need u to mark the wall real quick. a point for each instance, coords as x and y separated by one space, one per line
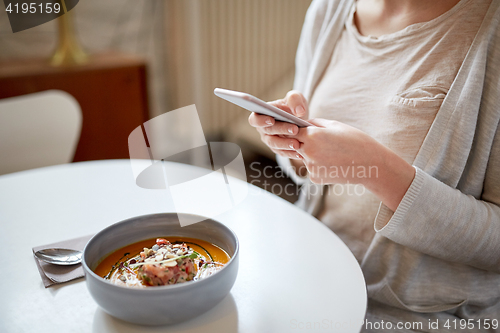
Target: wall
235 44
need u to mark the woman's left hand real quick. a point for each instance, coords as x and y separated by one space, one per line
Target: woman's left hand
335 152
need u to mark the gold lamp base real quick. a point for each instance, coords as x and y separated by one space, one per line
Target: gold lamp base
69 51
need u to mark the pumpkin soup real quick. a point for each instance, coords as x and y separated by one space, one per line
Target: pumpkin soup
163 261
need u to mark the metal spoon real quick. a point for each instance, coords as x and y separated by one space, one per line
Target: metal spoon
60 256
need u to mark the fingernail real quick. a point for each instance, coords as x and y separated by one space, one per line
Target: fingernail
291 146
290 130
299 110
269 122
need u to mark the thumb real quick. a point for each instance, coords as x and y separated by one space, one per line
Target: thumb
297 103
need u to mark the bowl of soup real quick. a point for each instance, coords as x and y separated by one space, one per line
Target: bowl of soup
149 270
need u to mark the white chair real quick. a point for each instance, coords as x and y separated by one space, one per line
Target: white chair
38 130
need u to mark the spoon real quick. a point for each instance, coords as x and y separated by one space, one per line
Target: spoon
59 256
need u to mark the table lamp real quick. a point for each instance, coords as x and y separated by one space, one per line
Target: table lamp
69 51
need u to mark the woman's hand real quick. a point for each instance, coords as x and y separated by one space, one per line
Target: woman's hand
335 152
276 134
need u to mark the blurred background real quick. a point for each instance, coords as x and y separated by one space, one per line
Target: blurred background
147 57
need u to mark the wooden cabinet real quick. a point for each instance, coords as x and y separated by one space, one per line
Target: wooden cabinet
111 90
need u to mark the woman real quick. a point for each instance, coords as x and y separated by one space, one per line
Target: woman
404 164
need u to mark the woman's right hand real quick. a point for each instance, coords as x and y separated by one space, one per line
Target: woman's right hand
275 133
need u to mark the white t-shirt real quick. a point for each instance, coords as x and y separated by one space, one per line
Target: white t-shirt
390 87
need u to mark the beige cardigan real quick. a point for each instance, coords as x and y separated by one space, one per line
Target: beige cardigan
440 251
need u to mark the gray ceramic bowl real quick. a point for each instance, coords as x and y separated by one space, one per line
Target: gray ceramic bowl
159 305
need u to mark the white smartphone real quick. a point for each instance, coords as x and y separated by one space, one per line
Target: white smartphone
256 105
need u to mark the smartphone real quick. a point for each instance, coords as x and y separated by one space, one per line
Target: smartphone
256 105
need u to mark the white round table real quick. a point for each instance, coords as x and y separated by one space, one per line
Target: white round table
317 286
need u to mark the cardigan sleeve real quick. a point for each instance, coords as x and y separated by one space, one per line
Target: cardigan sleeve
441 221
460 223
